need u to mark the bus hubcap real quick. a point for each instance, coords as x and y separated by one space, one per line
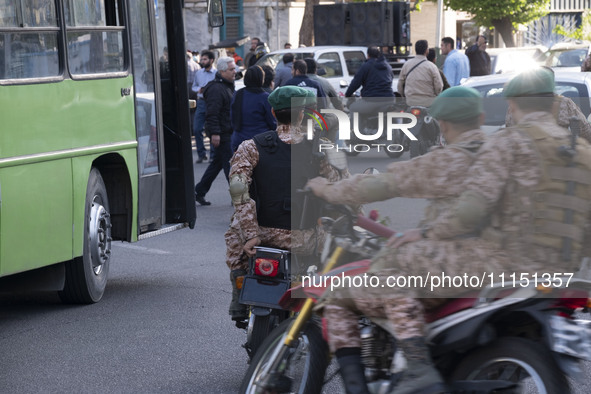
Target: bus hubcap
99 237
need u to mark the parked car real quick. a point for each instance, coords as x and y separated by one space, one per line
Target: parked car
575 85
338 64
568 55
507 60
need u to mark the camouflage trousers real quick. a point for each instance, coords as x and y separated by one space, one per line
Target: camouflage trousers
403 306
304 241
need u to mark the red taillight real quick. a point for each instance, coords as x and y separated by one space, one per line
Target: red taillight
266 267
415 111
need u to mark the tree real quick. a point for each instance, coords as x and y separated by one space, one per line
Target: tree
307 28
503 15
583 32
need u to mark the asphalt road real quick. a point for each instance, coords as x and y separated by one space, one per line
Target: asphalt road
162 326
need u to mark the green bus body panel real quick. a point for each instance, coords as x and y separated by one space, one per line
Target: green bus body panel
50 134
36 229
65 115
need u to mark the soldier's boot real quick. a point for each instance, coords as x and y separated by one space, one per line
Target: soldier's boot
238 311
352 370
420 375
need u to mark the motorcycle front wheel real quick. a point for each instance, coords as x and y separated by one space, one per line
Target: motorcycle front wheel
517 360
304 364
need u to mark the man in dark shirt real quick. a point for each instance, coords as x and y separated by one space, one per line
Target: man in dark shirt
375 79
300 79
479 59
218 98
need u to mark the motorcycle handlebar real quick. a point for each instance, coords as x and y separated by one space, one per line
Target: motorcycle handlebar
374 227
360 220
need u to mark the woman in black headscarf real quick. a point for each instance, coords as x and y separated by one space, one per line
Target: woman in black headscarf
251 111
269 77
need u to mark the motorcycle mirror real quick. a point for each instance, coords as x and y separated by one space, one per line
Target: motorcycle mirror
337 159
371 171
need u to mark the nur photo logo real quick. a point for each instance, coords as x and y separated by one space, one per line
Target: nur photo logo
389 126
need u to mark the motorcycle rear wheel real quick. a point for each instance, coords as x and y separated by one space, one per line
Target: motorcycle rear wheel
306 363
517 360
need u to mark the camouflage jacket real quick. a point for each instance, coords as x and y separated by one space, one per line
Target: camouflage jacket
507 166
436 175
564 108
244 161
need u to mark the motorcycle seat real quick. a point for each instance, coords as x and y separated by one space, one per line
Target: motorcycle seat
450 306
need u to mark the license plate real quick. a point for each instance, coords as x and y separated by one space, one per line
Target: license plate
262 292
572 337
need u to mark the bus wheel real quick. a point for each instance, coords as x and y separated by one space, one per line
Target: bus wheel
86 276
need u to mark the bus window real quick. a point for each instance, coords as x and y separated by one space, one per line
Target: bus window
26 53
92 51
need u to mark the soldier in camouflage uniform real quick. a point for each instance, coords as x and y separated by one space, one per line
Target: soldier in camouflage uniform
563 110
437 176
257 162
513 197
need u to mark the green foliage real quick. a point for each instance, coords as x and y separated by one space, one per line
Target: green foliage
583 32
487 12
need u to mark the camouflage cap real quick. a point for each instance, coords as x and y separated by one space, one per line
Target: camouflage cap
539 81
291 96
457 104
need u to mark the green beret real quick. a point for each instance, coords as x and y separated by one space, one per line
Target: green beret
530 83
291 96
457 104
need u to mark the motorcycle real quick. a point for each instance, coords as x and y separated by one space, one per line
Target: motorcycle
494 341
426 131
268 278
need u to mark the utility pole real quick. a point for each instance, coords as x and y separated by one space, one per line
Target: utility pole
439 22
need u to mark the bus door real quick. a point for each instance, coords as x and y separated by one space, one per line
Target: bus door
165 163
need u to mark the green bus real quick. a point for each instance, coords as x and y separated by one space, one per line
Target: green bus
95 142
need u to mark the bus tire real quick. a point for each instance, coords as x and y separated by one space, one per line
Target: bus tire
86 276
